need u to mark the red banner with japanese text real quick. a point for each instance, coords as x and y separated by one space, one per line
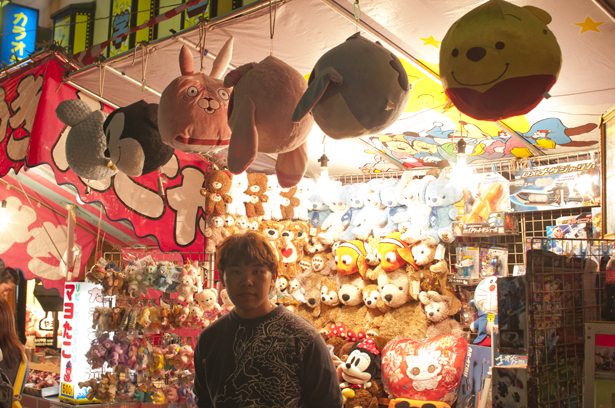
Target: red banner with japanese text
175 218
36 242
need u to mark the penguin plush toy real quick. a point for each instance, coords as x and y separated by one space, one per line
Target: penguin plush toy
133 141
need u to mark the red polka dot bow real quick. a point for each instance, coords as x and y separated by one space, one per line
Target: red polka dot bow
354 337
337 330
370 346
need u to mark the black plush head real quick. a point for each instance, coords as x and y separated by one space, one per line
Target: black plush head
133 142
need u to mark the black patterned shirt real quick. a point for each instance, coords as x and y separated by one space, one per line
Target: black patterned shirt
278 360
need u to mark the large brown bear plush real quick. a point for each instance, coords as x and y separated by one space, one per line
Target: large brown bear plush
217 185
257 187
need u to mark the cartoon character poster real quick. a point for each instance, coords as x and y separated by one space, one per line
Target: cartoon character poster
121 18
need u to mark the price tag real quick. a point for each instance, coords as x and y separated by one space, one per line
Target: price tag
440 252
491 317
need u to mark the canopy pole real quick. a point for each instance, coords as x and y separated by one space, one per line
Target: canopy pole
70 251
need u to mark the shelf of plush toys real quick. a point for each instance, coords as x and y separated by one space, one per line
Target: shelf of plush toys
145 333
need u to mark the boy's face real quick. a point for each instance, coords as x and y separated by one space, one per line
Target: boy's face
248 287
6 287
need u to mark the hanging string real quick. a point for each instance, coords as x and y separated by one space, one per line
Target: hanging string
101 76
202 38
144 56
98 233
273 12
356 10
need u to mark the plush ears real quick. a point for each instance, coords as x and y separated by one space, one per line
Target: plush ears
499 59
192 115
133 141
343 102
260 117
86 142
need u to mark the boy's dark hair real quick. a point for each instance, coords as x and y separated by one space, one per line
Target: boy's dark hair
9 275
250 247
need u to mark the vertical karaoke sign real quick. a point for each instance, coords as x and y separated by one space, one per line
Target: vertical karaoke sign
80 299
19 25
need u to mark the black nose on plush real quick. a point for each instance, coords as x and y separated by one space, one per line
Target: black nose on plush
323 298
388 298
312 301
476 54
271 232
430 314
346 297
369 302
348 365
434 199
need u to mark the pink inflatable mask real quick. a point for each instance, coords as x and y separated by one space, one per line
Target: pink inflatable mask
192 115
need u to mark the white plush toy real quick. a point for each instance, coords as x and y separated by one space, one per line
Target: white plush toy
240 184
416 217
272 207
373 214
333 225
305 189
208 301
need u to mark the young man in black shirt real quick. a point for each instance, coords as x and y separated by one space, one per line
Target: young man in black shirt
260 355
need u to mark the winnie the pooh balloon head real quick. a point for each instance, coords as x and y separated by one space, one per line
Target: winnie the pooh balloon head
498 60
192 115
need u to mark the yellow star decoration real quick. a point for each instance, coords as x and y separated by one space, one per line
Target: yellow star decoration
431 41
589 25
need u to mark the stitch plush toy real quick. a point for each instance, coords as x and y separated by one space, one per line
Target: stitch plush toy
273 209
192 115
237 192
215 233
289 203
86 141
262 105
257 186
440 195
217 185
437 311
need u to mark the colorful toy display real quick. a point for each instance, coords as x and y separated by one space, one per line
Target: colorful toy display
499 60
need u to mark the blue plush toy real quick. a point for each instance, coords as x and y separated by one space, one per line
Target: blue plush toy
353 195
318 210
440 194
388 197
164 278
486 303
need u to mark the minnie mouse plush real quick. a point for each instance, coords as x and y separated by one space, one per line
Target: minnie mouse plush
363 364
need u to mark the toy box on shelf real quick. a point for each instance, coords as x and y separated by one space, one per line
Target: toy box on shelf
556 186
497 223
478 262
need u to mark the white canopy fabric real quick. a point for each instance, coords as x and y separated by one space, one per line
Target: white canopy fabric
306 29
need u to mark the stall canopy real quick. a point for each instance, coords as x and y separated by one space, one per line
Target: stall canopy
166 208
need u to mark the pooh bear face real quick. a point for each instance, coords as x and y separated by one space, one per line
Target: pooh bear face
497 60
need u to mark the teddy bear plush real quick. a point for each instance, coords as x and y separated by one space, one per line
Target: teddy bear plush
229 224
217 185
329 302
440 194
257 186
351 313
241 224
437 309
187 289
215 233
373 214
353 195
289 202
375 309
415 218
260 116
304 192
208 301
311 284
273 209
239 184
388 198
393 287
227 305
333 225
318 210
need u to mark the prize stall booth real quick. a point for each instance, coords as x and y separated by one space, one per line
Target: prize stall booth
464 239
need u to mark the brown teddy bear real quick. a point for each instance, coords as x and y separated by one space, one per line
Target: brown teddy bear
217 185
215 233
311 286
363 398
229 224
375 309
437 310
257 187
352 311
329 301
289 202
431 274
293 240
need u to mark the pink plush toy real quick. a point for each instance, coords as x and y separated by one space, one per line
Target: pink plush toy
260 117
192 115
